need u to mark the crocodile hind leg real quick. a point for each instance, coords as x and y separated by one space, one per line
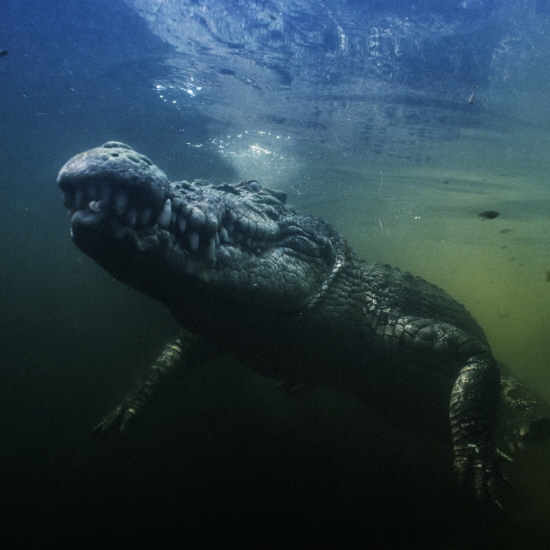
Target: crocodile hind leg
525 415
474 399
472 412
174 356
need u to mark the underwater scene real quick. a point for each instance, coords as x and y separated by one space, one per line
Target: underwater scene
419 130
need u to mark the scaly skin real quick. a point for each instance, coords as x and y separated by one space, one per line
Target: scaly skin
285 293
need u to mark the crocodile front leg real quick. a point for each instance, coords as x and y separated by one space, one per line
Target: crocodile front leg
472 411
174 355
474 398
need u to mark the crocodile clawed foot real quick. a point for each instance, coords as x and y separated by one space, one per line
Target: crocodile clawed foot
504 456
483 465
527 432
119 417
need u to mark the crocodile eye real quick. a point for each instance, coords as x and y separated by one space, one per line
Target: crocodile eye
227 188
253 186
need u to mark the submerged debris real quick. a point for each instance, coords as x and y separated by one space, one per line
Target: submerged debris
472 97
3 53
504 231
489 214
547 276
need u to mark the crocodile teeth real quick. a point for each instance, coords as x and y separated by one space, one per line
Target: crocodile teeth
194 242
166 215
95 206
145 216
132 217
211 251
105 194
91 192
224 236
121 201
182 222
197 218
197 229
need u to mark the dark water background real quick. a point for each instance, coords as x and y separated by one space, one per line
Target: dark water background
360 111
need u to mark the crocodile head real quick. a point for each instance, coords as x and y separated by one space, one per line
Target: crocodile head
195 244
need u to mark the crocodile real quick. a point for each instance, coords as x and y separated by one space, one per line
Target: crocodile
244 273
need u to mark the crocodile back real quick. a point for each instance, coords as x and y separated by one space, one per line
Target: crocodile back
412 295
